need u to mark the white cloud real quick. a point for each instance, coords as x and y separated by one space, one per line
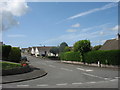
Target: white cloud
96 34
116 28
71 30
16 36
107 6
76 25
101 33
10 9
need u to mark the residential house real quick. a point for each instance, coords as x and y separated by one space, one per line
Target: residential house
113 44
41 51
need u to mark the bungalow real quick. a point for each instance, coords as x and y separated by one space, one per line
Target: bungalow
24 50
41 51
112 44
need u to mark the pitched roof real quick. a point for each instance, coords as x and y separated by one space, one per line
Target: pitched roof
112 44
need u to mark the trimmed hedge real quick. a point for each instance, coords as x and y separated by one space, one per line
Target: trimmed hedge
15 55
5 51
71 56
110 57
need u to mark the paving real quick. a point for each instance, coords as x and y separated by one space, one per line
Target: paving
61 75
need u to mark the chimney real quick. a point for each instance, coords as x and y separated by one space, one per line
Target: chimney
118 36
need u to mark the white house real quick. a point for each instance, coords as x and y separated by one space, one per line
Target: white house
32 51
36 52
39 51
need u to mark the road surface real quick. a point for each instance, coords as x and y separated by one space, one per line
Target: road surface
61 75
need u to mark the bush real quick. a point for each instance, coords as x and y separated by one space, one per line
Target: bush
15 55
109 57
71 56
5 51
97 47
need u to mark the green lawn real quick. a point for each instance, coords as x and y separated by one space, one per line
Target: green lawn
8 65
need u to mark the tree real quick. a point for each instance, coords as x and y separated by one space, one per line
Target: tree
66 49
62 46
97 47
54 50
82 46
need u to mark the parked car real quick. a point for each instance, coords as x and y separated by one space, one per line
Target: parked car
24 58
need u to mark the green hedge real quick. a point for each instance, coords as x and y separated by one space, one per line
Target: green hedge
110 57
15 55
71 56
5 51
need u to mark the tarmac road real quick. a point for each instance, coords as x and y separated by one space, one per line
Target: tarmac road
61 75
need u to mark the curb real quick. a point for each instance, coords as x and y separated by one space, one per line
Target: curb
92 65
24 77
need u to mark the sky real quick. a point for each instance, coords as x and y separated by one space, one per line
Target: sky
27 24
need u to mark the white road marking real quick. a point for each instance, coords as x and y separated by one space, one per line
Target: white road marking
106 78
117 77
43 85
22 85
88 70
66 69
61 84
93 75
81 69
91 82
51 66
77 83
114 80
84 69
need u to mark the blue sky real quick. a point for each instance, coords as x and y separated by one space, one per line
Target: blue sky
51 23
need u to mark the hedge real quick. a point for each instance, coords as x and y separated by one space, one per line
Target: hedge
71 56
15 55
5 51
110 57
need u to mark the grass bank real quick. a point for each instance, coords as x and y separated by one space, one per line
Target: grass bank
9 65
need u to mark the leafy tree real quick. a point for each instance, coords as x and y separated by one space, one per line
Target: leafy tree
54 50
97 47
62 46
66 49
82 46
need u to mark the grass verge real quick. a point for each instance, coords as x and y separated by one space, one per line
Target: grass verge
9 65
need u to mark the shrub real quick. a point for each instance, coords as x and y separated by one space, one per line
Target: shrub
71 56
97 47
109 57
5 51
66 49
15 55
